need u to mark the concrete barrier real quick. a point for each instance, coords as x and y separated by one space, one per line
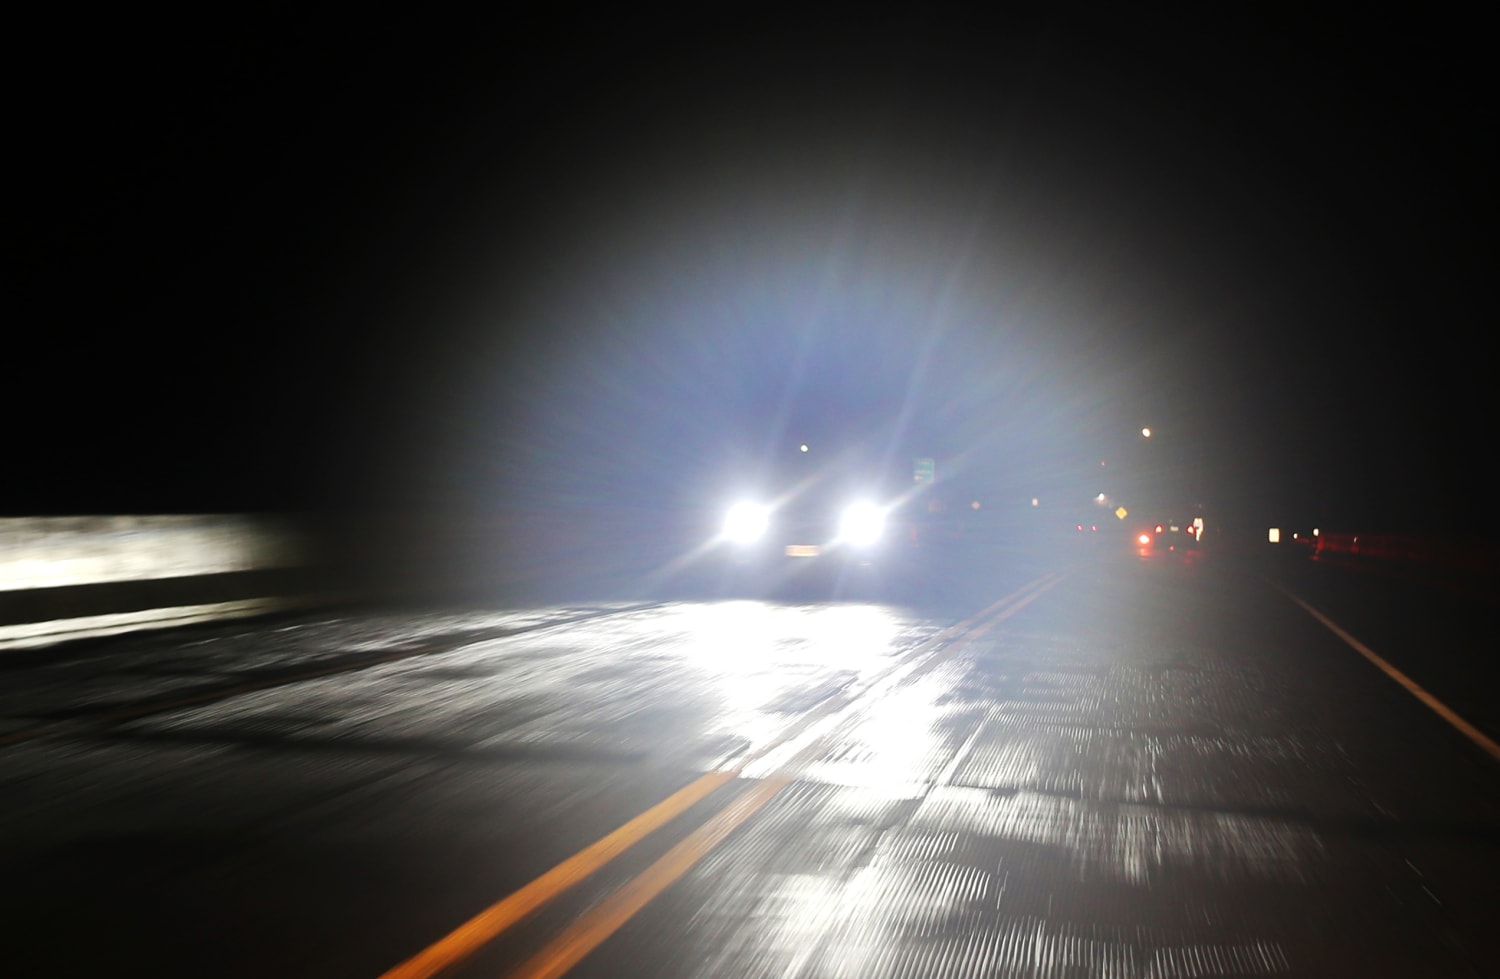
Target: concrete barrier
67 577
62 577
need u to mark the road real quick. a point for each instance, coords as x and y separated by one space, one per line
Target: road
1105 767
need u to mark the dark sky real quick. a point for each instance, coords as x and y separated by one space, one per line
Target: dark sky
307 261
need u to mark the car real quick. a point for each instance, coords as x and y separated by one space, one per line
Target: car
811 521
1174 535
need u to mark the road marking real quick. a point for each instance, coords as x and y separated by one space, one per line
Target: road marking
589 931
492 921
1042 585
1438 707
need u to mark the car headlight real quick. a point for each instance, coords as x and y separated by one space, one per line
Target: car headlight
746 523
862 524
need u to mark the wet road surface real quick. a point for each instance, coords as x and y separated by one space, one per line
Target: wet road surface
1111 769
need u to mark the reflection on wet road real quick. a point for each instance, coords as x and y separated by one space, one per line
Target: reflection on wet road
1116 771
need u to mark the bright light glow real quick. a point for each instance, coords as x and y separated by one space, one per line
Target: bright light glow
1145 433
974 505
1144 539
1100 498
1315 531
891 746
756 656
862 524
746 523
50 552
802 447
1274 535
1035 501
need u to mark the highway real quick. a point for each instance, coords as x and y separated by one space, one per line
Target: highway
1093 766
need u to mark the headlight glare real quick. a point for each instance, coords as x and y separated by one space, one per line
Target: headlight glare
862 524
746 523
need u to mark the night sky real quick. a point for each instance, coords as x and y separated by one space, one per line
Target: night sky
295 262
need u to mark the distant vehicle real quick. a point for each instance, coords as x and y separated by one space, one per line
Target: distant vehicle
1177 533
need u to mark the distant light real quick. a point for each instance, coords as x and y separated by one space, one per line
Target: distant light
1100 498
1158 528
1274 535
1094 527
1315 531
1121 513
1037 502
1144 539
1294 535
803 447
1145 433
974 505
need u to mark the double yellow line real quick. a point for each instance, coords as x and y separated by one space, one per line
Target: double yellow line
804 740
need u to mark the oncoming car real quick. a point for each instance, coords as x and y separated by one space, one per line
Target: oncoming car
855 532
817 523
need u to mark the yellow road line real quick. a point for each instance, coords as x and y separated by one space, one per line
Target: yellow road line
1438 707
988 624
589 931
496 919
492 921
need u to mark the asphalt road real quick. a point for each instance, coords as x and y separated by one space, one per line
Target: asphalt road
1108 767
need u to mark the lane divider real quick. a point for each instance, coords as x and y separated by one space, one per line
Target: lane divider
590 931
1487 744
802 740
497 918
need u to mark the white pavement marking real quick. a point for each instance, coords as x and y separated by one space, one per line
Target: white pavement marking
1438 707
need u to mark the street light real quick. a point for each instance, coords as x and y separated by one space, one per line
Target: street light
1145 433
